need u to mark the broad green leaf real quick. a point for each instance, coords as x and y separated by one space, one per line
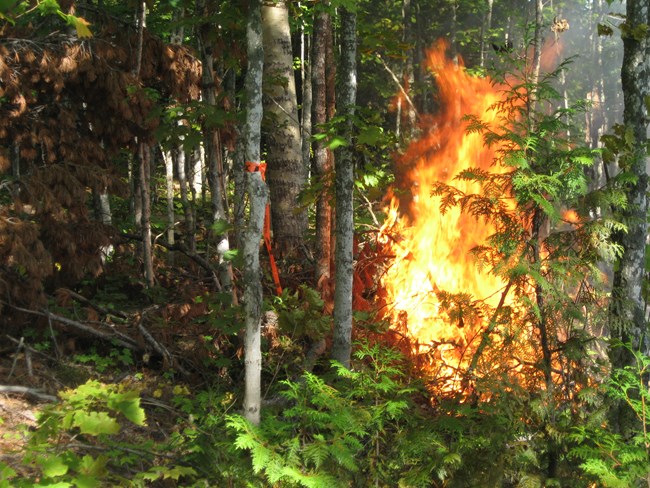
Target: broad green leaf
85 481
93 466
221 226
178 471
370 135
96 423
6 472
47 7
128 403
53 466
81 25
337 142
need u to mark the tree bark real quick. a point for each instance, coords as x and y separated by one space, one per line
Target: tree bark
169 193
181 170
342 339
321 161
306 126
145 182
627 313
257 194
286 173
214 155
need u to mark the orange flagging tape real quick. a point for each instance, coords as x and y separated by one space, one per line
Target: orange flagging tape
252 167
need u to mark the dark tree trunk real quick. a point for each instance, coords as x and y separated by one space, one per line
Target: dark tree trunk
627 313
342 339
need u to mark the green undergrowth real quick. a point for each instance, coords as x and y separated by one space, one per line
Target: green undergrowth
374 425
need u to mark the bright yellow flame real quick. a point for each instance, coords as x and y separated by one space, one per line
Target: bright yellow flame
433 251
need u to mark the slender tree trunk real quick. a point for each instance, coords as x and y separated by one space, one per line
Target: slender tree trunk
214 161
342 339
321 161
181 171
239 196
144 159
145 169
486 29
537 44
15 160
257 194
306 103
169 193
286 173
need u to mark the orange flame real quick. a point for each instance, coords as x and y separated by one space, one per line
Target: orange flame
433 252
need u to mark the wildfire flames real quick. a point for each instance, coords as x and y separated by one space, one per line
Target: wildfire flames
432 251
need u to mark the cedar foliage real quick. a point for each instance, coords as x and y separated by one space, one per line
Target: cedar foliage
70 109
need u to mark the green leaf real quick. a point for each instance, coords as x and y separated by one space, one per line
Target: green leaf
85 481
128 403
336 142
370 135
177 471
93 466
81 25
95 423
53 466
48 7
6 472
221 226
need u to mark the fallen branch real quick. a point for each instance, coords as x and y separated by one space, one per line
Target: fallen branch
115 337
98 308
28 392
168 360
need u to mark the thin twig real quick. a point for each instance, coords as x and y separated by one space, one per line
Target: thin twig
401 88
21 345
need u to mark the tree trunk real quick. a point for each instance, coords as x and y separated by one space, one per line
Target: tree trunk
322 168
214 159
181 167
627 311
486 29
286 173
257 194
169 193
342 339
145 182
306 126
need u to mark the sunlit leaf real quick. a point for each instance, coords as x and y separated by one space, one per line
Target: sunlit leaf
96 423
53 466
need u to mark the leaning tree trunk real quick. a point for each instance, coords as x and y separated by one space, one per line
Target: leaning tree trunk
342 339
287 175
257 194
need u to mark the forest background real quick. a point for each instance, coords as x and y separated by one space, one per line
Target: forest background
163 326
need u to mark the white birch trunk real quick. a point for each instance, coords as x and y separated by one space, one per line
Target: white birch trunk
257 194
